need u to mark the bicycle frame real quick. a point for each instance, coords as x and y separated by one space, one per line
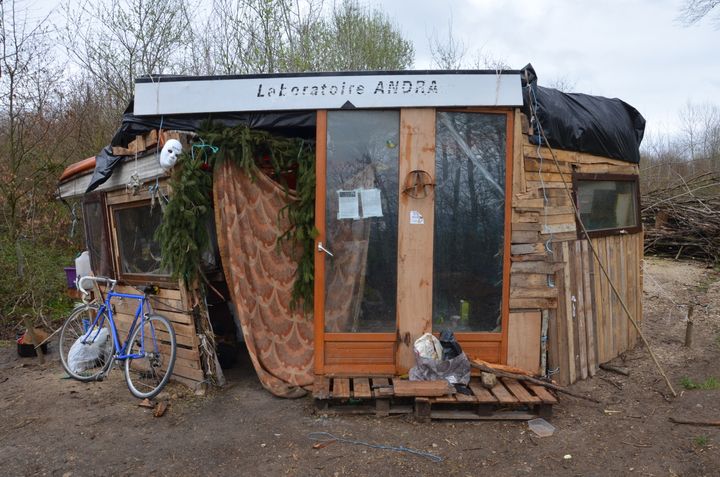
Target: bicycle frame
106 310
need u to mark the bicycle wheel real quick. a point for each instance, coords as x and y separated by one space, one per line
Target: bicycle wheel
86 354
154 343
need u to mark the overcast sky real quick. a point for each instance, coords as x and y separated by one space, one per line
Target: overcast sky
630 49
634 50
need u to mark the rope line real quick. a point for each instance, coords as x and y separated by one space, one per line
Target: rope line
328 438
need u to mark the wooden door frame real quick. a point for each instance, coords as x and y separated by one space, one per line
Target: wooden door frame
479 338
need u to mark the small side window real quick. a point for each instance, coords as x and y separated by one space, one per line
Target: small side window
139 252
96 234
608 203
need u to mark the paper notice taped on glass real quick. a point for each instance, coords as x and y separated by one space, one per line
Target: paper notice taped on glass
348 207
371 203
416 218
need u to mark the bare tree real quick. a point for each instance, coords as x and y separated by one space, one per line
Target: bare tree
452 54
270 36
29 83
562 83
33 148
115 41
693 11
448 54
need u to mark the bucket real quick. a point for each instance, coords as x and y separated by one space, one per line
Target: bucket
71 275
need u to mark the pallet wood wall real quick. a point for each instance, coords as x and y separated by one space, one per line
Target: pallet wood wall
552 270
169 303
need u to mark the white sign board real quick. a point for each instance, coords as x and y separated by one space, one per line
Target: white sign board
185 95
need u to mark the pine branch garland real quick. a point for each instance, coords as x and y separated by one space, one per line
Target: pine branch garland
183 234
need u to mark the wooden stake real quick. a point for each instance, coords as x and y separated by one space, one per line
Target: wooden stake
689 327
694 423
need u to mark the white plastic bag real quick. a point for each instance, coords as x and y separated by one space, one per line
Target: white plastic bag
97 346
428 347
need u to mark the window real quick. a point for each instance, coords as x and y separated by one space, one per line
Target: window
96 234
361 221
469 236
608 203
139 252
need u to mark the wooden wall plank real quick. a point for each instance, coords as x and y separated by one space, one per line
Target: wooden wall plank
524 340
553 342
414 281
598 300
518 173
589 309
580 308
563 365
569 314
622 286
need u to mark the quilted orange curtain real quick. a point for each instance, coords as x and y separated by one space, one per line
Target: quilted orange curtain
260 277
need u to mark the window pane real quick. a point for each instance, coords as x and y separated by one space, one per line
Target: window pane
139 252
96 238
361 221
469 221
607 204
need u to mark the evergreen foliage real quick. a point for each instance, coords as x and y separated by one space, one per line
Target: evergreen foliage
183 234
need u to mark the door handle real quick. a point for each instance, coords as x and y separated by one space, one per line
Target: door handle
323 249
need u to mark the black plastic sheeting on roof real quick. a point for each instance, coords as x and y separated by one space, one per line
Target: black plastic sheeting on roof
583 123
295 123
571 121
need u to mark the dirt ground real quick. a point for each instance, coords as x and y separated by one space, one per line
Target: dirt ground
55 426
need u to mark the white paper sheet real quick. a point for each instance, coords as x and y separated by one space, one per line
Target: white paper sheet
371 203
348 207
416 218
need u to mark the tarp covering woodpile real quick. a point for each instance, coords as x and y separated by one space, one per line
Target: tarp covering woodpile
260 276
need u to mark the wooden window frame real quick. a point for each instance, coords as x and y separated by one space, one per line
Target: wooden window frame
133 278
634 179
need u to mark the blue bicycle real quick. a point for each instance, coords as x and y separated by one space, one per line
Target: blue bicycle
89 341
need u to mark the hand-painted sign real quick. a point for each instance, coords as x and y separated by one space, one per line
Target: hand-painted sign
182 95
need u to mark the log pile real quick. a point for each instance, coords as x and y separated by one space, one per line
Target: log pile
683 219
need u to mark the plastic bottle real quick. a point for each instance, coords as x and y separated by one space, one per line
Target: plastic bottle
82 264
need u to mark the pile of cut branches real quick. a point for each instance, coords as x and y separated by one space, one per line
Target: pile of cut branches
683 219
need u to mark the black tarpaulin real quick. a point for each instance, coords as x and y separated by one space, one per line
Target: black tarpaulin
294 123
584 123
105 162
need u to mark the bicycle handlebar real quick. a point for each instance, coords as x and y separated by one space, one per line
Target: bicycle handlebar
108 281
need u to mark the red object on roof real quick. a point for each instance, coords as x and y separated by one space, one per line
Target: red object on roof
77 168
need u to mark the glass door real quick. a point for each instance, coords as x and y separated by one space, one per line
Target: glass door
359 241
413 235
471 237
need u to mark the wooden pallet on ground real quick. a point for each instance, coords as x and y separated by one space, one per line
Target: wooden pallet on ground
508 400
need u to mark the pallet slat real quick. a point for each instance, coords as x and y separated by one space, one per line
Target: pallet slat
519 391
502 394
341 388
361 388
482 395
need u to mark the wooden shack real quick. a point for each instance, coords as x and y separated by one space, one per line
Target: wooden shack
435 208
